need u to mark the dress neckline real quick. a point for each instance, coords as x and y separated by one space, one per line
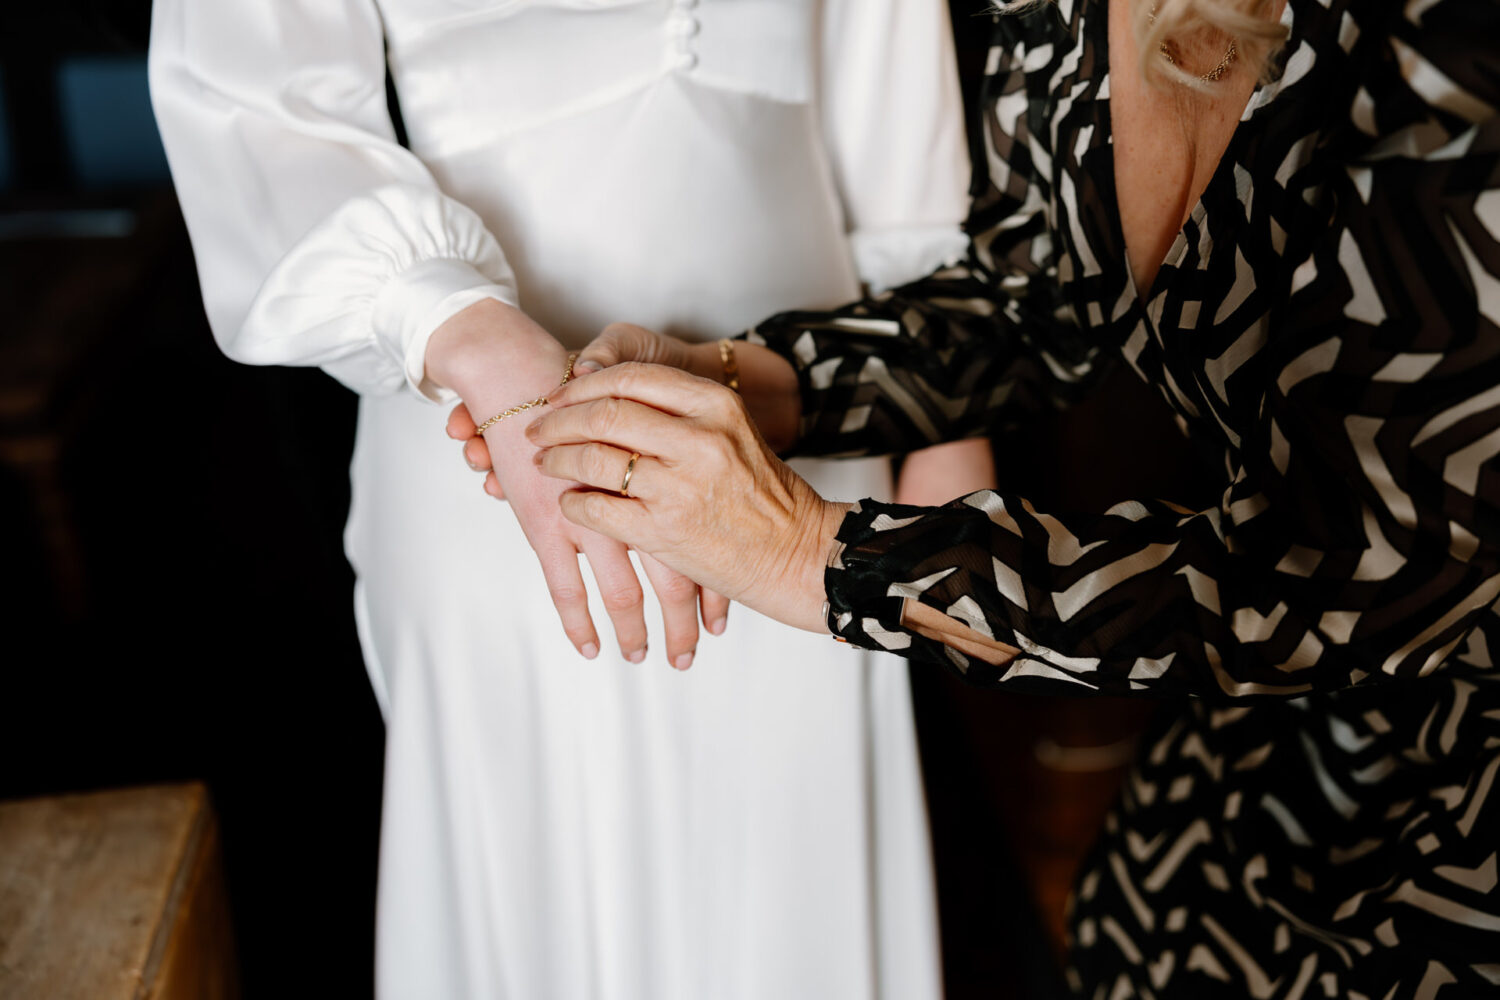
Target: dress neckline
1264 94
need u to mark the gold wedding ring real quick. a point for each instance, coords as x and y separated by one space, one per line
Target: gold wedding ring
629 471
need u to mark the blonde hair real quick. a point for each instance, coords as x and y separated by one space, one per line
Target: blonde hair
1158 22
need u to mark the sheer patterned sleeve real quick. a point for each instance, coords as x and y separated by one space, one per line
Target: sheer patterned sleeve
947 355
319 239
1359 536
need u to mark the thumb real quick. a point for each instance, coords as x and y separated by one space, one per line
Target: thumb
618 342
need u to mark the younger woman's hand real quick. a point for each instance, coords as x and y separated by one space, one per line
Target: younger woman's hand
713 608
618 342
493 356
462 428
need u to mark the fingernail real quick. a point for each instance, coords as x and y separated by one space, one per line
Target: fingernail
473 466
717 628
589 650
684 660
532 431
637 656
587 367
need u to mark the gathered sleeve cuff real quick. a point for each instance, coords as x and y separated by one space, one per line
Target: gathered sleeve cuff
391 267
319 239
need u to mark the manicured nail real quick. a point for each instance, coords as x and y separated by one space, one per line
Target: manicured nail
637 656
587 367
717 627
684 660
532 430
589 651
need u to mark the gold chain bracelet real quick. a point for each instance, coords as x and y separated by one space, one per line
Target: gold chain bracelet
731 367
530 403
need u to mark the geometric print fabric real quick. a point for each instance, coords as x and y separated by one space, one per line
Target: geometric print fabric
1321 817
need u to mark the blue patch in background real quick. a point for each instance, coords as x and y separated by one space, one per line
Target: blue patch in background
107 123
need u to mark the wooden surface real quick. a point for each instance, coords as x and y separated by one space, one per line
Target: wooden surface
111 895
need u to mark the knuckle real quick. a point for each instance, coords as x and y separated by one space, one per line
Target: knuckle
677 589
726 404
587 508
631 374
596 463
622 597
566 594
602 416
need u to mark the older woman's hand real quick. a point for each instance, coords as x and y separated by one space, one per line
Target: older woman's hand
766 383
674 467
491 354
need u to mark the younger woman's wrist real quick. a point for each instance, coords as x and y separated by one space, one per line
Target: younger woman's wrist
488 349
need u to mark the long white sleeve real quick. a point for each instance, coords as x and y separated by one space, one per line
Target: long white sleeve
893 120
319 240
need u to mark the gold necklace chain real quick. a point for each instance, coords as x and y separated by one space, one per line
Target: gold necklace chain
1212 75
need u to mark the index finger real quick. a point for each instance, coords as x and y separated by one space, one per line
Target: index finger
671 390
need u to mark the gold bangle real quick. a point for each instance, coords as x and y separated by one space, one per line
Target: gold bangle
731 368
529 404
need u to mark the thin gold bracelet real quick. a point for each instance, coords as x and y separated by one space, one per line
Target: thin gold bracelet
731 367
529 404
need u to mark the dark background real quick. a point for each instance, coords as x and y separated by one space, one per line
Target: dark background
174 601
173 594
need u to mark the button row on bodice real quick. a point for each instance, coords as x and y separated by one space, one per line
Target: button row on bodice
682 26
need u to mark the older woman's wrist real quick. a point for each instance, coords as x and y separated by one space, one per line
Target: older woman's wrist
817 548
772 394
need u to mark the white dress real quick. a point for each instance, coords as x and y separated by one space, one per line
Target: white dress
555 827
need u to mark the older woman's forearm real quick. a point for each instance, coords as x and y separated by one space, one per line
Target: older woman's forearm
935 625
766 381
768 384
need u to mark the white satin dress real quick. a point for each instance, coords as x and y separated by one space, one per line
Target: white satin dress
555 827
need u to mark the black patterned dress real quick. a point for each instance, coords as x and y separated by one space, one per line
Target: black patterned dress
1323 820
